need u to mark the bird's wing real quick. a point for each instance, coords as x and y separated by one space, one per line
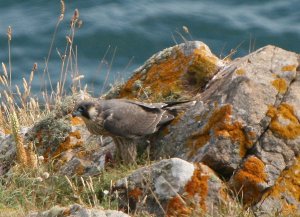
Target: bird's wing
131 120
146 105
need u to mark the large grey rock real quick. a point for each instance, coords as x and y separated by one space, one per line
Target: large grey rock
231 115
170 187
246 122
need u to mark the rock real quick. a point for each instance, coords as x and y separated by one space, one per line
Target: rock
8 151
284 196
67 141
173 73
7 154
87 162
172 187
231 113
250 180
246 122
76 210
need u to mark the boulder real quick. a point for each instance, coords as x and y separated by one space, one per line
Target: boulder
176 72
172 187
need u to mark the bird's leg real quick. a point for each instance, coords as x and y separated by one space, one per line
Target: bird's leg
125 150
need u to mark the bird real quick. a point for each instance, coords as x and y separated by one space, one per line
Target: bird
125 121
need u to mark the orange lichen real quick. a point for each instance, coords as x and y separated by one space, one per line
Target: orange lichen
202 68
248 179
83 154
290 128
162 78
68 144
240 71
170 76
288 184
178 207
280 85
289 68
67 212
220 125
7 131
198 185
80 169
194 197
76 121
165 131
135 193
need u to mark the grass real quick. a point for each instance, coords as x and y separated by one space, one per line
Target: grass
24 190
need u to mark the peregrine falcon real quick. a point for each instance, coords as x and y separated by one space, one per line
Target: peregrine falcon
125 121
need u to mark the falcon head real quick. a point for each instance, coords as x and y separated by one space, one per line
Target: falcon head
85 109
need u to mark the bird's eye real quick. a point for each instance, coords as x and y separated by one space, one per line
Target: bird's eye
80 109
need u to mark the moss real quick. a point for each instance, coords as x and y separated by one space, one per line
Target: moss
287 185
49 133
289 68
220 125
193 198
289 130
248 180
280 85
240 71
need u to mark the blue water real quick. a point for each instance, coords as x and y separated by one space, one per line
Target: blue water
130 31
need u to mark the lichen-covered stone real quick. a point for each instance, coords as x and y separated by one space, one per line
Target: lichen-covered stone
284 196
231 113
250 181
249 110
173 73
66 140
181 188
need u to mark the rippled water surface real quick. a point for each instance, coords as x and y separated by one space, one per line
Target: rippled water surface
130 31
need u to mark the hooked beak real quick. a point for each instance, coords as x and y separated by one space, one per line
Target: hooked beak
76 114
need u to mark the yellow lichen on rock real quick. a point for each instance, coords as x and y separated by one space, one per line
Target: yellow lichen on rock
161 79
284 122
248 180
280 85
71 142
76 121
287 185
240 71
193 198
175 72
135 193
202 68
289 68
222 126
